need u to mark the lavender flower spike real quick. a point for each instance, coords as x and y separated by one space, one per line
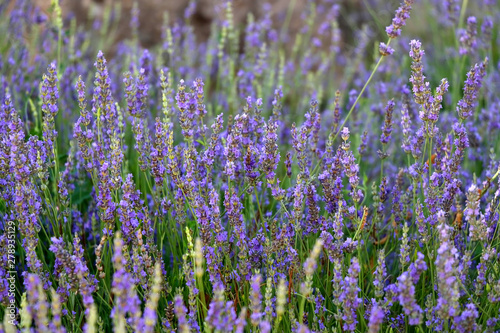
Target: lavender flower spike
376 318
447 278
420 87
399 20
350 298
387 128
50 94
467 105
406 297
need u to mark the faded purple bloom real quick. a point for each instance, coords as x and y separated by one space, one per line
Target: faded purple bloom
380 275
447 278
406 297
468 40
377 316
180 312
387 128
221 315
417 267
123 287
187 111
256 300
364 143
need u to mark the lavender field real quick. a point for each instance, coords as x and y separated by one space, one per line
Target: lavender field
340 178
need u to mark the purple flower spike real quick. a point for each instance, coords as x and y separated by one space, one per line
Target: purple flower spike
399 20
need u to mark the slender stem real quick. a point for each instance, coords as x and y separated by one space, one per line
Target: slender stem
260 210
456 91
462 13
425 149
289 14
301 308
354 105
382 163
430 158
202 297
361 92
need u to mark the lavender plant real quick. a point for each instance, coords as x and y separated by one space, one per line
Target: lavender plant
255 181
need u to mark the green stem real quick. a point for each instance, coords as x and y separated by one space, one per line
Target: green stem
361 92
462 13
430 158
301 309
354 104
260 210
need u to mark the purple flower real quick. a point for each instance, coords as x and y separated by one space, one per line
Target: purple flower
377 316
336 112
103 105
50 95
142 143
38 305
72 270
466 106
399 20
278 95
404 251
447 278
431 108
349 297
233 209
489 254
180 312
421 91
127 209
251 167
210 152
134 21
187 111
363 144
270 153
351 167
123 289
220 315
256 300
313 217
468 37
136 92
150 311
159 151
466 322
385 49
417 267
486 30
478 229
406 297
387 128
344 134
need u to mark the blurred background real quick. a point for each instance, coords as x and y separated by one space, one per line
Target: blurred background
90 13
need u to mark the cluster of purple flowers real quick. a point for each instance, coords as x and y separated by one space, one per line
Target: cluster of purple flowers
220 185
